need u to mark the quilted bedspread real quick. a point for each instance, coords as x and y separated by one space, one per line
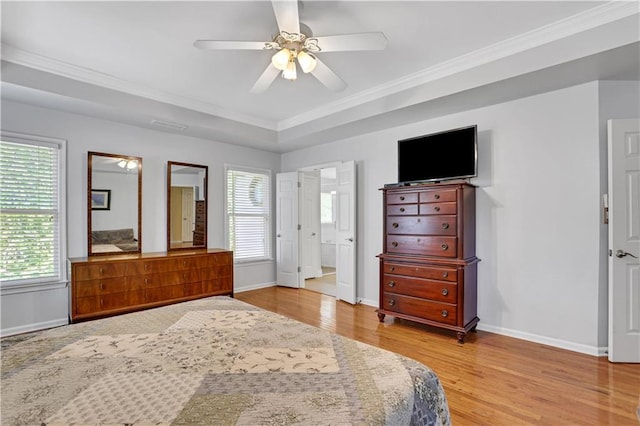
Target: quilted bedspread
210 361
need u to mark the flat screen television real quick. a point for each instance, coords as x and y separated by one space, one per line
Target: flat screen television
452 154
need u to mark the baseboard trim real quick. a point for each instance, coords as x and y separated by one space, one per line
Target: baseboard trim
550 341
369 302
33 327
253 287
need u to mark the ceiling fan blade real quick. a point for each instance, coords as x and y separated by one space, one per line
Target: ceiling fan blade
360 41
287 15
265 79
229 45
327 77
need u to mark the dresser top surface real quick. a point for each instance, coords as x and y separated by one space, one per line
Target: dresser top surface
144 256
427 186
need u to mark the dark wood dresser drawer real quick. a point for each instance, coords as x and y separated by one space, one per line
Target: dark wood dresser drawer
429 246
438 208
404 198
442 291
438 195
422 271
399 209
422 225
435 311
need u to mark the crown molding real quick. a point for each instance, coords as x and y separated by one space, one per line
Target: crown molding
584 21
64 69
575 24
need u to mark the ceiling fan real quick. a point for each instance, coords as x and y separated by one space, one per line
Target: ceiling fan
295 42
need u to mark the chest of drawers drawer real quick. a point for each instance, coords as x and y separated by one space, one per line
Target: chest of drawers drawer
425 245
442 291
400 210
421 271
437 208
438 195
422 225
421 308
404 198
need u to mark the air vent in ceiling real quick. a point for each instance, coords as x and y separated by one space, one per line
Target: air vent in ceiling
168 124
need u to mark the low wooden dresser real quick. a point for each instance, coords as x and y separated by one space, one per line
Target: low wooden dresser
428 269
109 285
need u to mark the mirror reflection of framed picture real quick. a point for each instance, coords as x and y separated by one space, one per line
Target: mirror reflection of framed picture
100 199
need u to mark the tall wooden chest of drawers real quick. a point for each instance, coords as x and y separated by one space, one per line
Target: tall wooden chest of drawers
110 285
199 237
428 269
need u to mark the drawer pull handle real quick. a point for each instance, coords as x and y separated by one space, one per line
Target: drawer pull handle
395 244
392 302
401 209
101 286
437 208
437 196
444 313
444 246
402 198
445 274
444 292
395 224
392 283
101 270
445 226
393 268
146 280
101 302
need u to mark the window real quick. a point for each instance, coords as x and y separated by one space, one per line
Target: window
248 213
31 211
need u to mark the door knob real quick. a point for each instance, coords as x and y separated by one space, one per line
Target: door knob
349 239
622 253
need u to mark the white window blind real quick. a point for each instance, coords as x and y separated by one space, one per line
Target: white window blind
29 212
249 213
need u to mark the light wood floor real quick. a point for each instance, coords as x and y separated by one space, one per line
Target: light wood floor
326 284
490 379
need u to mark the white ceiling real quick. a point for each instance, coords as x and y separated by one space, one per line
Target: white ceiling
135 62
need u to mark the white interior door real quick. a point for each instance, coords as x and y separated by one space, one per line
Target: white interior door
287 272
346 232
188 214
310 225
624 240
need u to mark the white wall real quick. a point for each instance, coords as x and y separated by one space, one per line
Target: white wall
538 211
26 310
124 198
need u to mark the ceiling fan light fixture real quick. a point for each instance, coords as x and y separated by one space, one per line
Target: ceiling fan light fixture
128 164
307 62
290 71
281 59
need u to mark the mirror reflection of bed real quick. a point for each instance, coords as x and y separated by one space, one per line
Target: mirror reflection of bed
114 203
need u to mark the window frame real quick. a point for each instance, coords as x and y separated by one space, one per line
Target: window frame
31 284
269 226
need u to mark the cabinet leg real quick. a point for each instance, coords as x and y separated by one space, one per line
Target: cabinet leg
461 336
381 317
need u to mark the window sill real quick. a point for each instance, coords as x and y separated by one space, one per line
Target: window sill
6 289
252 262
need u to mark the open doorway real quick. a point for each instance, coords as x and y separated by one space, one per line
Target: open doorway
298 239
325 281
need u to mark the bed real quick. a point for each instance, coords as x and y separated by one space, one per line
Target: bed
210 361
113 240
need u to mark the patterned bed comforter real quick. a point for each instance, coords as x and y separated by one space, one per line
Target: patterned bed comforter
210 361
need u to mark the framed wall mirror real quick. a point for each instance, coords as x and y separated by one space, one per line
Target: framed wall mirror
114 204
186 205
